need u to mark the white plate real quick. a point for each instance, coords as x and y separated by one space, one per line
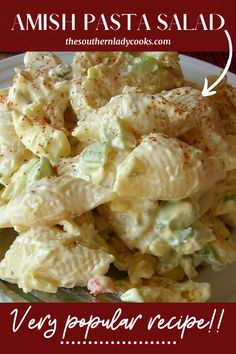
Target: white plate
224 282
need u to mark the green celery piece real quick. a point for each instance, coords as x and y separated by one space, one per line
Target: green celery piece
144 65
94 156
208 255
63 72
177 215
114 133
43 168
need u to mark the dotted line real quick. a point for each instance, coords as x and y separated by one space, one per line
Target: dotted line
123 342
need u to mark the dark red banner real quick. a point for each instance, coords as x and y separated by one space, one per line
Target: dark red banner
67 328
124 25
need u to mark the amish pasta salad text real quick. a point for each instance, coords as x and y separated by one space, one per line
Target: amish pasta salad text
115 164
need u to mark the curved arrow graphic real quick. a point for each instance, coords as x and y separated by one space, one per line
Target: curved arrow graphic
206 91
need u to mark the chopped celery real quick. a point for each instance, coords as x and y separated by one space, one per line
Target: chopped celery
178 237
42 168
177 215
208 254
144 65
32 170
94 156
61 71
173 222
115 133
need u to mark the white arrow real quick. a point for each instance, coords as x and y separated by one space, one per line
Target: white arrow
206 91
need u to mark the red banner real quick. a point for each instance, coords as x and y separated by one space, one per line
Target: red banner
105 328
124 25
